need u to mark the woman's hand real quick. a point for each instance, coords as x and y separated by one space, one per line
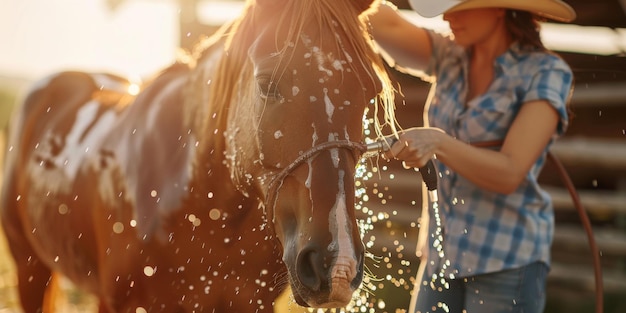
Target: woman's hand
416 146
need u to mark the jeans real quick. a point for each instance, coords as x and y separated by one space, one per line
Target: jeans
520 290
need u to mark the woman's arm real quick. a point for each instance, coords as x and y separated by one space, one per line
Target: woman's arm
407 44
498 171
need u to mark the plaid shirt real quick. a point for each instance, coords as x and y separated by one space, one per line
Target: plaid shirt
485 231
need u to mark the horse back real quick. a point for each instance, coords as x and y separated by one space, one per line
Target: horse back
80 152
42 155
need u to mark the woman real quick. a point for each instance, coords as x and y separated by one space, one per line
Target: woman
499 101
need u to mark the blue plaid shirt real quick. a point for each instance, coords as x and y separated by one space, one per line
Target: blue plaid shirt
485 231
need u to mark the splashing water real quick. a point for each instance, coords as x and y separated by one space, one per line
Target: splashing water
438 245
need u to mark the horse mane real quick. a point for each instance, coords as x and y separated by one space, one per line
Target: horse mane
348 16
292 15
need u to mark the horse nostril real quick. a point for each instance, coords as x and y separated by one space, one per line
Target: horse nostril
308 266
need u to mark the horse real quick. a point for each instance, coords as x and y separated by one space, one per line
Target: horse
228 176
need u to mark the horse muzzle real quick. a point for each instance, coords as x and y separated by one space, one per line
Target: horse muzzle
324 280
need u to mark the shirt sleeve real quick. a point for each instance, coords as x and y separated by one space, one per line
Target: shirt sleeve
553 83
443 48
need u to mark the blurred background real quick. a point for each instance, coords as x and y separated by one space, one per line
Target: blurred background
136 38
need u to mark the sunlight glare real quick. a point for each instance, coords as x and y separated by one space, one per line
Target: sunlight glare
134 89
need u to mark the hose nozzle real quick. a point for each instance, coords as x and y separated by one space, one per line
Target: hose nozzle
379 146
428 171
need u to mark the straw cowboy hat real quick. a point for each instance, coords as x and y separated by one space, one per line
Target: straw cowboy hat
553 9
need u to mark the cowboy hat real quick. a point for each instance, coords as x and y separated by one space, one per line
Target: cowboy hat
553 9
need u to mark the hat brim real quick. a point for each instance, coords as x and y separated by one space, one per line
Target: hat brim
552 9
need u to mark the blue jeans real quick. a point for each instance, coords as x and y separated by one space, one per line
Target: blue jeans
521 290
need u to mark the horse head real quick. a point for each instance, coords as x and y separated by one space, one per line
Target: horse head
293 129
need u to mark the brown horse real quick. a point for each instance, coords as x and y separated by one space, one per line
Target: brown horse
224 179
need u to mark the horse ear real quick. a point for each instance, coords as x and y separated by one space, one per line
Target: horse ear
362 5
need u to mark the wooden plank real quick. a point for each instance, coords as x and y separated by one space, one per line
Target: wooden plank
593 201
600 95
582 277
611 242
601 154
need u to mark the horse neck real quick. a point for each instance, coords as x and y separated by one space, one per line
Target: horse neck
209 95
220 77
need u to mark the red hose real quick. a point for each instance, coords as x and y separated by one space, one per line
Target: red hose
595 251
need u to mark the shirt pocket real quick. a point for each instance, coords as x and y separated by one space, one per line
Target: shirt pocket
488 117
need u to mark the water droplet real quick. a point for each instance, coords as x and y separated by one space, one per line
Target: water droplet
118 227
149 271
214 214
63 209
381 304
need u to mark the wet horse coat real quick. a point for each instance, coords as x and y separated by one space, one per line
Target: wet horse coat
223 180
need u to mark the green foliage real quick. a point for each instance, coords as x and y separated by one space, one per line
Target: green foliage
7 103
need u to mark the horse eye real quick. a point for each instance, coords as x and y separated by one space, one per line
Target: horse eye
268 88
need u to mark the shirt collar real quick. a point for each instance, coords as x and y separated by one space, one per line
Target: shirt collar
512 57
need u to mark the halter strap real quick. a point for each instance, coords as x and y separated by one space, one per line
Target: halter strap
277 181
